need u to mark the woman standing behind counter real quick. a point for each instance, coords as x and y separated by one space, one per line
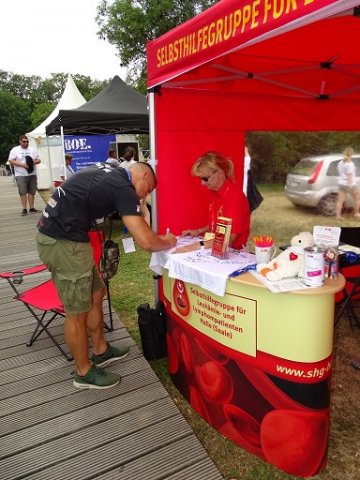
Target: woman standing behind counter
216 172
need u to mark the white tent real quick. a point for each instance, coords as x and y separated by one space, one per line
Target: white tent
50 148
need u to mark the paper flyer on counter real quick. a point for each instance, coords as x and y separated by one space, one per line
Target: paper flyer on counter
327 236
285 285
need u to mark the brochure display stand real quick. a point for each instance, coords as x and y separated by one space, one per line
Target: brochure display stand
256 365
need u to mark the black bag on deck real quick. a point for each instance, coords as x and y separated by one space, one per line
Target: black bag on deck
152 328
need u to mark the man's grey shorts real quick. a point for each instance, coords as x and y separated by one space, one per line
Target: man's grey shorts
73 271
27 184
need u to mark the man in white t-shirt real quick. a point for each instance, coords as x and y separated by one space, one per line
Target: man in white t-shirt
24 160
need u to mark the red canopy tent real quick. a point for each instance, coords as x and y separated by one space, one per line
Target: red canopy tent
246 65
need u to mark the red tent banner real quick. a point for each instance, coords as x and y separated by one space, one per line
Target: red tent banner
229 25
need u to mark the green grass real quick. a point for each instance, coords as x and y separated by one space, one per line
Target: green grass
278 217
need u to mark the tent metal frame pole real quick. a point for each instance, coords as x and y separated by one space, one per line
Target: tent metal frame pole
63 148
50 164
153 162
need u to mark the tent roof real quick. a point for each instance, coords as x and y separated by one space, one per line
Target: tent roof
71 98
303 52
116 109
240 66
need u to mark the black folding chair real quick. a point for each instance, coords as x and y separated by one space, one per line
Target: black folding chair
351 272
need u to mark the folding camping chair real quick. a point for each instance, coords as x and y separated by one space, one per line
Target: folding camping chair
351 272
43 297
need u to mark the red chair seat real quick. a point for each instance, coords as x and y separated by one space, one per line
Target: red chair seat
43 297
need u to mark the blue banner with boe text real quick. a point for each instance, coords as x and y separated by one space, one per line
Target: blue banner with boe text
87 149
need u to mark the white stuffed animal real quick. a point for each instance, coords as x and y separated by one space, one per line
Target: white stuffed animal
290 262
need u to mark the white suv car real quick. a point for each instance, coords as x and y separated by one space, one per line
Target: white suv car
313 182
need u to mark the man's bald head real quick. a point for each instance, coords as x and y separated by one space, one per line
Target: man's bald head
143 178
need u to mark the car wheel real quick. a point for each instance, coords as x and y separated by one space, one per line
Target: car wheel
327 204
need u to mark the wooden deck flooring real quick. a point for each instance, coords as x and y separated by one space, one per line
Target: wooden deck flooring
49 429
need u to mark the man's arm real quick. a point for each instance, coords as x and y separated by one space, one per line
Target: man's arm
17 163
145 237
145 211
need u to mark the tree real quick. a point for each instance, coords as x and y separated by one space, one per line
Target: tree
20 86
40 113
33 99
130 24
274 153
52 88
88 87
35 90
17 114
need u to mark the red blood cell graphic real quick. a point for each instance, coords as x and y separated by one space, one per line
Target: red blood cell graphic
215 382
198 404
173 361
175 337
211 353
244 423
295 441
187 354
229 431
271 392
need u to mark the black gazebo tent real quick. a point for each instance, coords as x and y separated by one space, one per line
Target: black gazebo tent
116 109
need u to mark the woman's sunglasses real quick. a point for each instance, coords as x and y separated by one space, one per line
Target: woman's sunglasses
206 179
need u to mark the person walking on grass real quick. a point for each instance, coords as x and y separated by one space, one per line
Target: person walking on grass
347 183
24 160
63 246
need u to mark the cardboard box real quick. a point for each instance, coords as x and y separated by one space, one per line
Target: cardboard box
222 237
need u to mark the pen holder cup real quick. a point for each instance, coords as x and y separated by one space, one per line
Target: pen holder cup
265 254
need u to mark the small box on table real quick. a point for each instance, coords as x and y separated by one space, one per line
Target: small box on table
222 237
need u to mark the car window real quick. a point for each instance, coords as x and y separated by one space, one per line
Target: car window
304 167
333 169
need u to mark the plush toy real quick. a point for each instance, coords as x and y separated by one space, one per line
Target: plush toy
290 262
